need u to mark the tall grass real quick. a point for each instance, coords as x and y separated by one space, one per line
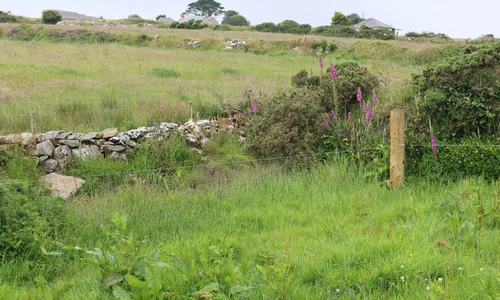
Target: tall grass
322 233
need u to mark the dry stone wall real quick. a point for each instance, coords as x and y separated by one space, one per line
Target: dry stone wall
55 150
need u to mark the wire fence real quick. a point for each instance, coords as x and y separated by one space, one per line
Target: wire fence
300 156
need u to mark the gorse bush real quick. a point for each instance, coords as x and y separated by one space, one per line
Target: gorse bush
456 159
460 93
286 124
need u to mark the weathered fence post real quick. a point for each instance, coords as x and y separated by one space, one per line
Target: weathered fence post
190 103
397 168
33 123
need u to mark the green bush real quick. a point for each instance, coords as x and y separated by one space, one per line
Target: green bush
288 123
6 17
465 157
350 31
266 27
28 218
351 76
191 24
237 20
51 17
223 27
460 92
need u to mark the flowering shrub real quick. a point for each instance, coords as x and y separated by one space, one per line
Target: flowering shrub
350 76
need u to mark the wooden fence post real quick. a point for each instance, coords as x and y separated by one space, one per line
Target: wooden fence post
33 122
190 103
397 168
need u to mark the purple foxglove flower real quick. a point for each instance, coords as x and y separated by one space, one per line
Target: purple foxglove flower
433 144
254 107
359 96
333 71
375 100
349 115
321 63
370 126
362 120
334 117
369 115
364 108
339 134
325 122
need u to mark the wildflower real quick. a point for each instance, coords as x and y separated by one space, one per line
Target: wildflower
402 278
359 96
349 115
362 119
254 107
334 117
460 268
339 134
321 64
402 267
428 288
440 279
375 100
337 290
370 126
333 71
364 108
481 269
369 114
433 144
325 122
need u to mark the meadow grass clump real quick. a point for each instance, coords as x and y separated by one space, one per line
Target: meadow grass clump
165 73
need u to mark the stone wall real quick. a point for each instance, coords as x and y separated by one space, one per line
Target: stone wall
54 150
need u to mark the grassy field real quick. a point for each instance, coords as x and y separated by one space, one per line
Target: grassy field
319 234
233 231
82 87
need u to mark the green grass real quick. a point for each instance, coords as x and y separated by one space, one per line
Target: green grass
318 234
165 73
70 86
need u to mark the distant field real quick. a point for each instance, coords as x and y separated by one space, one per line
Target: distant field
65 79
81 87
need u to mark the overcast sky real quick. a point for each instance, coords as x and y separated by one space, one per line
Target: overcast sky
457 18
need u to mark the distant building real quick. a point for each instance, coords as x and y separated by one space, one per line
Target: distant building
375 24
74 15
166 20
203 19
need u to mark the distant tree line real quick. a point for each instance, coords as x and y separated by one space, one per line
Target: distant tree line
7 17
427 34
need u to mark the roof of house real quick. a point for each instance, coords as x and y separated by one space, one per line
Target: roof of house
73 15
198 18
166 20
373 23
